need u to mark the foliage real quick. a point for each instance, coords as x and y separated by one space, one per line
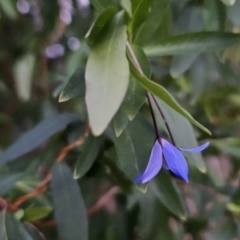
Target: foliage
76 127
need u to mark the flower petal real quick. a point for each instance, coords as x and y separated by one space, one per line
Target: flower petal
175 160
154 164
197 149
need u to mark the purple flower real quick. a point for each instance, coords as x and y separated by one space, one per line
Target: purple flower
166 155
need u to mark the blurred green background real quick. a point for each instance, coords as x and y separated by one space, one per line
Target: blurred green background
42 46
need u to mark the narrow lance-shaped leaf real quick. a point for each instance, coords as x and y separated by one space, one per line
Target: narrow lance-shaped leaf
101 5
7 181
107 75
3 233
140 13
163 94
192 43
166 191
127 6
14 229
69 210
134 147
75 86
136 95
35 213
98 25
145 33
36 136
89 153
120 121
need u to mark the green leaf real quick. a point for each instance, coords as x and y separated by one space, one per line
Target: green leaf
39 134
134 147
107 75
143 61
7 181
229 2
127 6
149 220
15 230
35 213
101 5
192 43
69 210
75 86
214 15
89 153
34 232
23 70
3 233
120 121
182 132
99 24
140 13
145 33
166 191
233 12
163 94
134 99
180 64
8 7
136 95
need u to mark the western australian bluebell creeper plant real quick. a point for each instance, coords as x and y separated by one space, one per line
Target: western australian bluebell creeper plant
103 104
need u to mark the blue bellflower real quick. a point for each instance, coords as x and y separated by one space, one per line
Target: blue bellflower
164 154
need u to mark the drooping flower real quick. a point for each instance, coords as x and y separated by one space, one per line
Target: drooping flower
164 154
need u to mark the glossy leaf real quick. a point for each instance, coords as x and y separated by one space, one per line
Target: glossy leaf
166 191
149 220
75 86
134 147
36 136
127 6
34 232
15 229
101 5
163 94
35 213
192 43
87 157
69 210
134 99
136 95
120 121
107 76
140 13
7 181
145 33
99 24
3 233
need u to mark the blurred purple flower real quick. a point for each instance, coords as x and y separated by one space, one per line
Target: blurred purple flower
170 157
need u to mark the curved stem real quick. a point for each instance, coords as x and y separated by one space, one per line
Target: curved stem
164 120
147 94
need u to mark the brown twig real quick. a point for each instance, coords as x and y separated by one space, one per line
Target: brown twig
42 187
